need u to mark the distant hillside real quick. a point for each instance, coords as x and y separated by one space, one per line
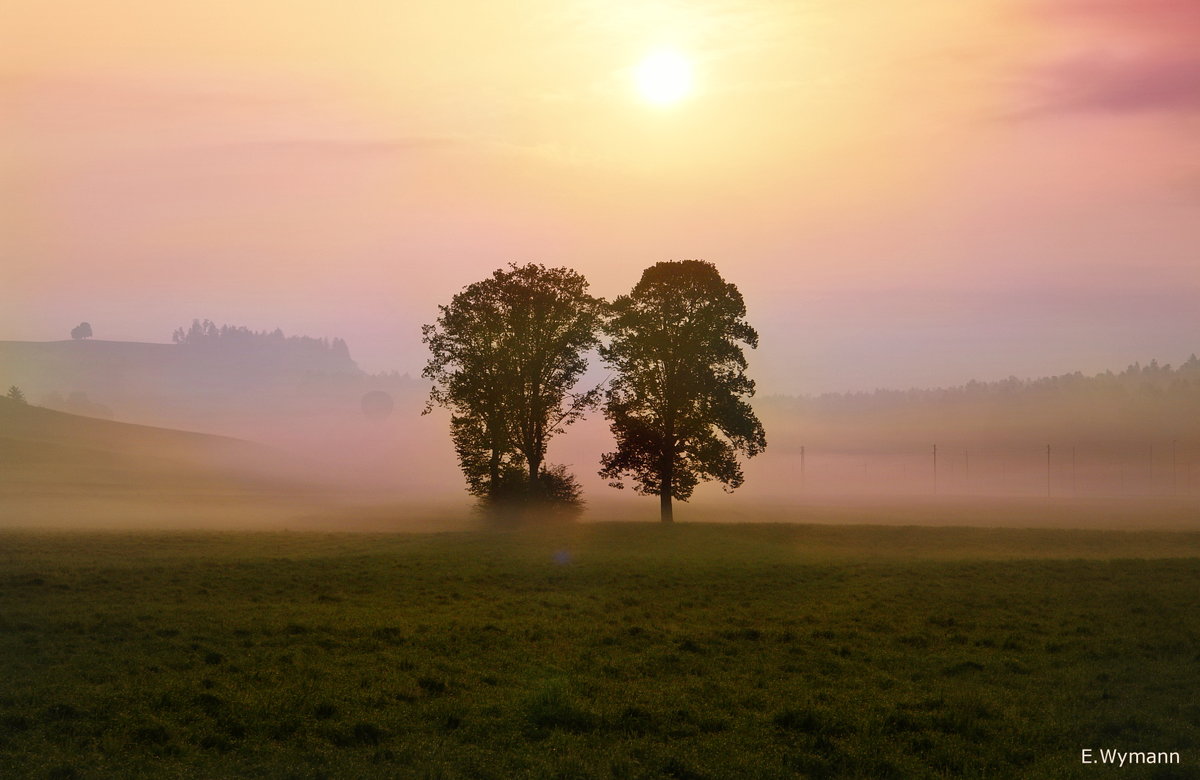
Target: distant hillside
44 452
116 367
203 381
1141 403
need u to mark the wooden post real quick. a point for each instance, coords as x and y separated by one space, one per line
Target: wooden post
1174 472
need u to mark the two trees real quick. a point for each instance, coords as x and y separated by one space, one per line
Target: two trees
508 351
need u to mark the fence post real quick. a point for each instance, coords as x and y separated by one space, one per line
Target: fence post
1174 473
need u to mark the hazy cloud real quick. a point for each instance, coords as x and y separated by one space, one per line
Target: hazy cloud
350 147
1177 18
1121 84
1127 56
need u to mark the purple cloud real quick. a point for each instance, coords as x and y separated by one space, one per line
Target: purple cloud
1143 57
1178 19
1121 85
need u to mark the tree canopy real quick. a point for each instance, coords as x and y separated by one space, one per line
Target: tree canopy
81 331
505 355
677 405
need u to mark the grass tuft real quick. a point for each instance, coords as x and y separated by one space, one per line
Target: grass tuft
552 708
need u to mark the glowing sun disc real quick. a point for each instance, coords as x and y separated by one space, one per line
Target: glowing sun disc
664 77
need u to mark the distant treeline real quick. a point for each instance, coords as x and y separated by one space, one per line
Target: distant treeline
268 349
1142 402
1152 381
207 332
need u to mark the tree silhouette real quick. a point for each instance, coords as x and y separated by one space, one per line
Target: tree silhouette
303 353
676 406
81 331
15 394
505 355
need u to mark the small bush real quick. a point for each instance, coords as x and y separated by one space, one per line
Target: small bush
556 494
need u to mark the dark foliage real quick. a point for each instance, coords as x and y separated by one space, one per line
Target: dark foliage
208 333
256 353
677 405
555 494
81 331
505 355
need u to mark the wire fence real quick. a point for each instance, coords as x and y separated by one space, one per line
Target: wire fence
1144 470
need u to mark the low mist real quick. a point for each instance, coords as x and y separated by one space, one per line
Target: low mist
296 436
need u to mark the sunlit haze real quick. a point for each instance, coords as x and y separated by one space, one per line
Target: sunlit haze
664 77
911 194
599 388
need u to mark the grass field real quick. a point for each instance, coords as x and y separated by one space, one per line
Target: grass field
598 650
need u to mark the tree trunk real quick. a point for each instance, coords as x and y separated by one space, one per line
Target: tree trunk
494 473
536 453
535 469
666 511
666 484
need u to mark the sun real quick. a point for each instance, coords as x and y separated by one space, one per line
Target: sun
664 77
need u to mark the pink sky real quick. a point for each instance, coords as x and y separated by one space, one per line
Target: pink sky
907 194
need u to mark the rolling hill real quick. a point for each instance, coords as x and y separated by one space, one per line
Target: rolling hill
59 465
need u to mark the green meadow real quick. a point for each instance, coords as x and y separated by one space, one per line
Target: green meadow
604 650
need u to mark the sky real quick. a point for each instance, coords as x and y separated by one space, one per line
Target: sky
907 194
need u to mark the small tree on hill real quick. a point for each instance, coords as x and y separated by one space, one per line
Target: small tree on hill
677 404
14 394
81 331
